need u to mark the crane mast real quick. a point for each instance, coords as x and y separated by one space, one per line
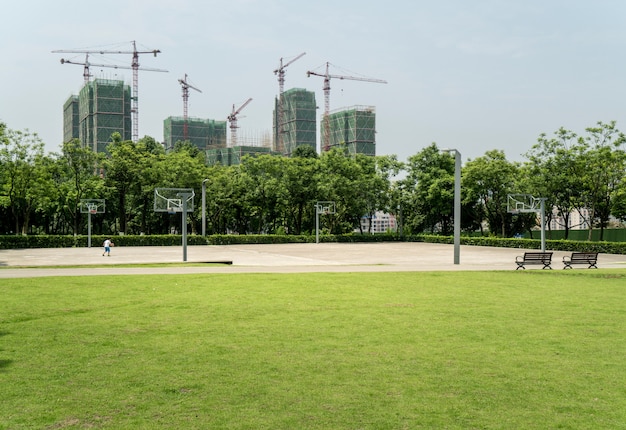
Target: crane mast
232 118
135 68
326 87
185 86
280 114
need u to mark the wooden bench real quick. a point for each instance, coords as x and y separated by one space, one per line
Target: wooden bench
589 258
543 258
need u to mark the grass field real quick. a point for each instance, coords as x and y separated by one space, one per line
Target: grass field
455 350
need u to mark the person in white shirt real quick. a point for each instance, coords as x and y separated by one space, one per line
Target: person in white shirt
107 247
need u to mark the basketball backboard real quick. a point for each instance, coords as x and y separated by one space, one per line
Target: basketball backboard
522 203
92 206
172 200
325 208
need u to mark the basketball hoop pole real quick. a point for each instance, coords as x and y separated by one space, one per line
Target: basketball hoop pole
184 197
89 230
322 208
90 207
317 223
204 207
525 203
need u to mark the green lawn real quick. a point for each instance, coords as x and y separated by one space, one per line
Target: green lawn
455 350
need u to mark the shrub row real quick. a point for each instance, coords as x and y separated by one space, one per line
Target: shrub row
22 242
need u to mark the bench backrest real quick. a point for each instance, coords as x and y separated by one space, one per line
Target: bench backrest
538 256
584 256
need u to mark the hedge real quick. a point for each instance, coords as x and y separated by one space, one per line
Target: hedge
41 241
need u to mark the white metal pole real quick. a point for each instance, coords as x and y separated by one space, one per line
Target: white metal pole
89 229
204 207
543 225
317 223
457 207
184 197
184 227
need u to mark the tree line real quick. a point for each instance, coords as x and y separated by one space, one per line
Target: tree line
41 193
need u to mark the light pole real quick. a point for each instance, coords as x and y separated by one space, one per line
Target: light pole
204 207
457 204
543 224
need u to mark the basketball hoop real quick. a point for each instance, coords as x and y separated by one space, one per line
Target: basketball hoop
322 208
91 207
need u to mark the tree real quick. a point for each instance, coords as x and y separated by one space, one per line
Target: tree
345 180
603 163
489 179
263 178
220 189
122 173
377 183
185 168
26 179
430 182
301 183
304 151
78 178
553 172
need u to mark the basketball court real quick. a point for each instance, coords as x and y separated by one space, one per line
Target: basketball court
279 258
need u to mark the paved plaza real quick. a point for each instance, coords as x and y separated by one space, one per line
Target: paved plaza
279 258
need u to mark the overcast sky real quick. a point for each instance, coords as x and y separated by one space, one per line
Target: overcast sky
472 75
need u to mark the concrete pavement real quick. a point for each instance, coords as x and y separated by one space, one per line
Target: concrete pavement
279 258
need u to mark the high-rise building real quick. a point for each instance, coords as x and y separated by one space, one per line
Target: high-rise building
104 108
101 108
71 119
232 156
298 125
354 129
204 133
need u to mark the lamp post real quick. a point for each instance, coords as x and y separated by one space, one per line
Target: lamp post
204 207
543 223
457 204
400 217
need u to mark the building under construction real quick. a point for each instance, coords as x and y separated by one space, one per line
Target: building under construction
353 129
104 108
233 156
298 125
71 119
204 133
101 109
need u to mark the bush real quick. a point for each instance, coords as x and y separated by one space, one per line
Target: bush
43 241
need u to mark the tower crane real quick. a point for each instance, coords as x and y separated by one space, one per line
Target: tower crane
280 71
86 73
135 68
87 64
232 118
185 86
327 76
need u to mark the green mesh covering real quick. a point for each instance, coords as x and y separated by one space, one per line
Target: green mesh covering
71 119
355 129
299 121
203 133
104 109
233 156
